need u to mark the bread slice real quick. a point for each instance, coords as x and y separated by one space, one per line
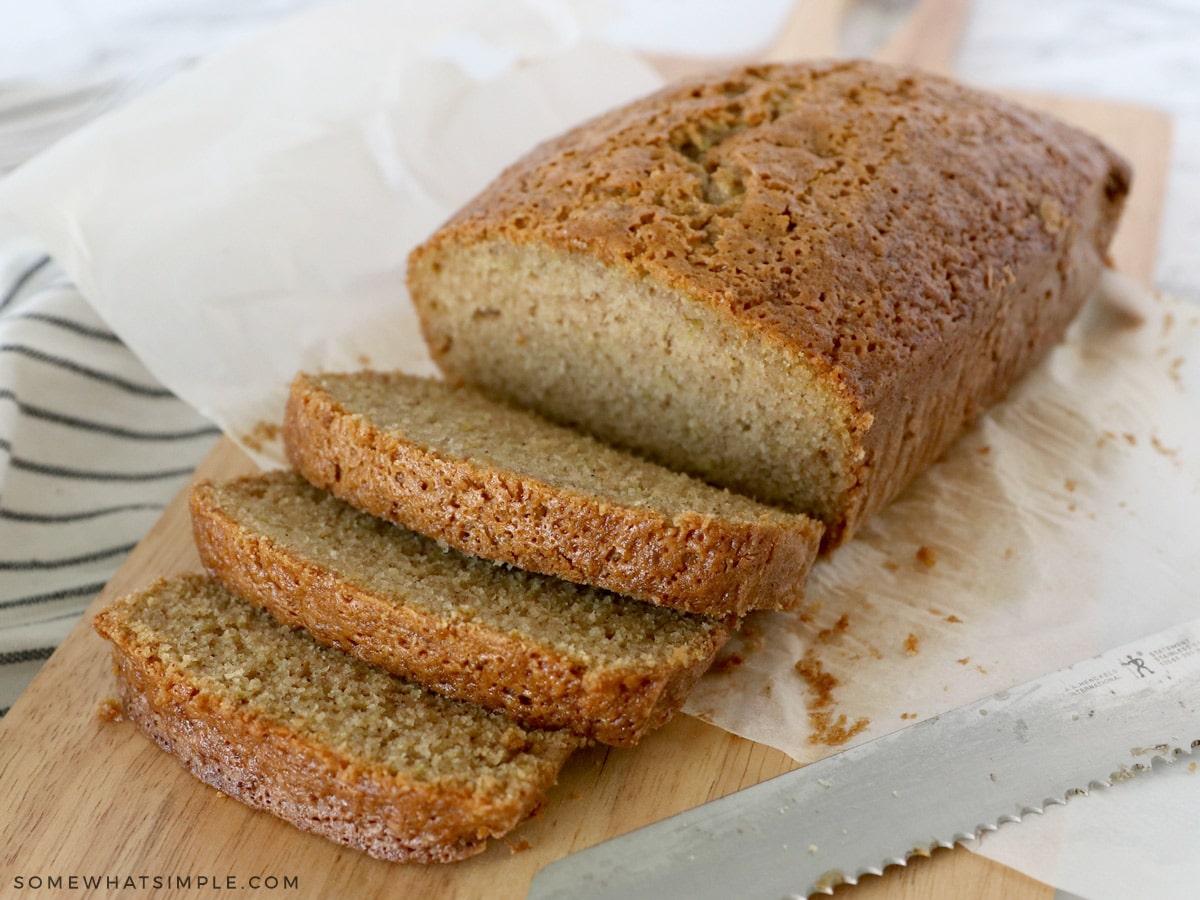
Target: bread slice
799 281
502 483
551 653
263 713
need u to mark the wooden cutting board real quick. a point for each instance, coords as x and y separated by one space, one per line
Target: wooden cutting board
83 796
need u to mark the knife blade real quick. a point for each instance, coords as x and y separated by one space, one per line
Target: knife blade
946 780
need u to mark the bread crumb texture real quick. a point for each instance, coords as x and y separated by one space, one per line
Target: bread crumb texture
548 651
235 651
589 626
459 423
444 773
505 484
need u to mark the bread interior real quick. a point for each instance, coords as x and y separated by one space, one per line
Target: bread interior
639 365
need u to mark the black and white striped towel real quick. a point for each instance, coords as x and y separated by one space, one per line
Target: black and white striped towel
91 450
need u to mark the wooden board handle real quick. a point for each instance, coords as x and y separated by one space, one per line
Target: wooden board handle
929 37
812 30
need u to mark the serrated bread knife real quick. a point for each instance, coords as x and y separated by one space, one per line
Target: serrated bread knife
945 780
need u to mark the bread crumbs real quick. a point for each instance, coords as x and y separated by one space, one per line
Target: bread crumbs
840 627
1173 370
110 710
751 634
518 846
806 615
726 663
1161 447
828 727
262 434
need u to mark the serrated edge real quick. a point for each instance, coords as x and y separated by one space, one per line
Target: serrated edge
830 880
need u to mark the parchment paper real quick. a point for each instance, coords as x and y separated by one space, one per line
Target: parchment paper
252 217
1063 524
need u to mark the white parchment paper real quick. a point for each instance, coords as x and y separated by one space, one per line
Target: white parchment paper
252 217
1064 524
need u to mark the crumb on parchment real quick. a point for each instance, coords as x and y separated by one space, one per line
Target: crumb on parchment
726 663
261 434
829 727
840 627
518 846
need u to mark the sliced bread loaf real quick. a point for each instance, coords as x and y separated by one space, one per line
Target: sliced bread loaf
551 653
502 483
265 714
799 281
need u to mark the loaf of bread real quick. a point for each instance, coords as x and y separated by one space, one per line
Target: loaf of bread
265 714
798 281
507 485
545 651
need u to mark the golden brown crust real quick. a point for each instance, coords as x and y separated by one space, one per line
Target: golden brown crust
260 767
694 563
534 683
317 788
916 243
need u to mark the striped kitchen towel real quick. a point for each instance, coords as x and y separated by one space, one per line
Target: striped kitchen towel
91 450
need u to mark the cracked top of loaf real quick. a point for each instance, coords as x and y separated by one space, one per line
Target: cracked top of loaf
810 201
797 281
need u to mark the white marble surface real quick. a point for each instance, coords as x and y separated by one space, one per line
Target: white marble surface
1139 52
